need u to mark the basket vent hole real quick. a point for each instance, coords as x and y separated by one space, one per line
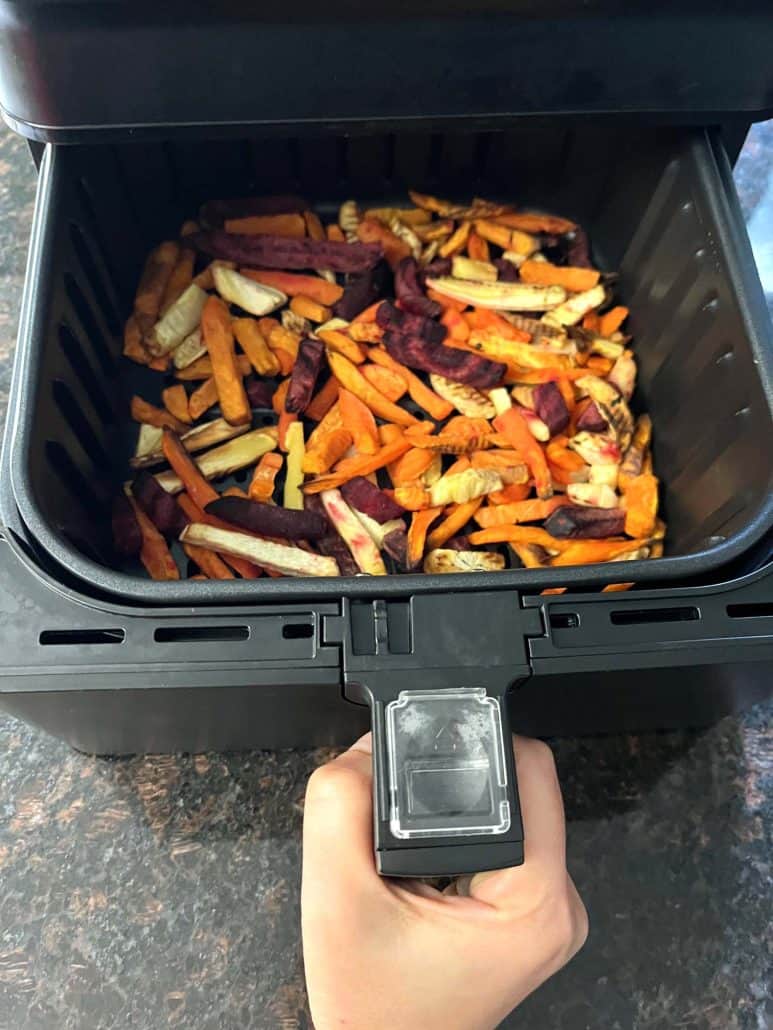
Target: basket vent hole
79 363
641 616
96 282
189 634
88 320
758 610
297 631
71 477
564 620
78 423
69 637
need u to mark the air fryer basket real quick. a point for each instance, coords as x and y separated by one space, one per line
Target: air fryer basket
659 206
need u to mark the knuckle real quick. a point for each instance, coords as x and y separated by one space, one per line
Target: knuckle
329 782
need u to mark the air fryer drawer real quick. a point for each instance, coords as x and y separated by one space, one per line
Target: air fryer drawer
659 206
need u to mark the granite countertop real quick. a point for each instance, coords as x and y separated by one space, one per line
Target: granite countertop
162 891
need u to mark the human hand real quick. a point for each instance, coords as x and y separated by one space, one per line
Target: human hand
402 955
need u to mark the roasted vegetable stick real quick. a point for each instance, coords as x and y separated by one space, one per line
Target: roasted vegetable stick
323 401
417 534
155 276
201 368
203 398
395 249
611 320
326 451
178 322
176 402
641 504
500 295
361 466
449 560
220 461
543 273
519 534
211 564
513 426
293 495
289 561
456 519
216 329
419 392
534 223
133 347
307 307
197 439
385 381
359 421
292 225
586 552
351 379
246 569
154 554
354 534
342 344
518 511
251 340
142 411
270 520
263 481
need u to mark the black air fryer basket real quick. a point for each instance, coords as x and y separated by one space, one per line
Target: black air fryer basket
112 662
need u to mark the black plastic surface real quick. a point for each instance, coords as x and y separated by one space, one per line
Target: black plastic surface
70 71
659 205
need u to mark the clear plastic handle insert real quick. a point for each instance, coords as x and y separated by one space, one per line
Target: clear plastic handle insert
446 763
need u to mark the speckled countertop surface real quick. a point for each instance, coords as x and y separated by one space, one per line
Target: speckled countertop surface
163 891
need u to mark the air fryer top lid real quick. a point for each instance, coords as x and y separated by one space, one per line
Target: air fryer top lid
70 71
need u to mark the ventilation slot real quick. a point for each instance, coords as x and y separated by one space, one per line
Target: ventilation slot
761 610
87 206
641 616
77 421
188 634
297 631
83 371
69 637
87 319
564 620
95 278
71 477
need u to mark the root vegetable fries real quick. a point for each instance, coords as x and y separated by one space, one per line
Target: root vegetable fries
513 426
641 504
335 233
447 302
418 391
293 496
261 486
292 225
351 379
456 242
353 533
413 496
142 411
342 344
306 307
220 461
478 250
417 534
283 339
323 401
513 492
611 321
365 332
457 517
543 273
211 564
368 315
154 553
360 466
180 279
250 338
133 347
371 231
586 552
458 329
195 484
153 282
530 222
289 561
314 227
359 421
201 368
385 381
203 398
327 451
195 513
216 330
410 467
176 402
286 419
520 535
518 511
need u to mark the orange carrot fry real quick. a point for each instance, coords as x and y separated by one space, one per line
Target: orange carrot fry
327 450
419 392
417 534
201 368
211 564
446 302
514 492
543 273
457 241
306 307
485 318
457 518
359 421
179 280
314 228
512 425
176 402
385 381
520 535
261 487
278 399
352 379
197 514
155 276
611 321
286 360
323 401
360 467
478 250
133 347
280 338
200 491
530 222
203 398
260 355
369 314
342 344
598 365
217 334
389 432
154 555
499 459
292 225
591 322
365 332
518 511
458 329
412 496
410 467
142 411
335 233
332 420
285 421
586 552
641 503
371 231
